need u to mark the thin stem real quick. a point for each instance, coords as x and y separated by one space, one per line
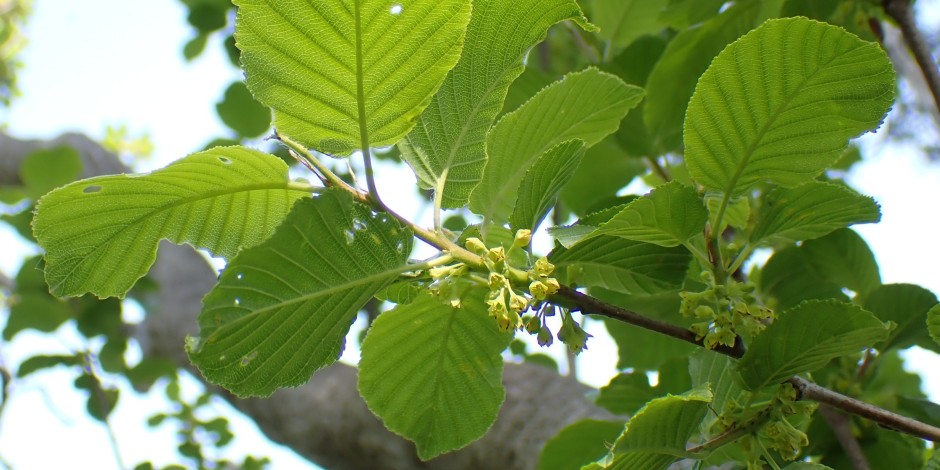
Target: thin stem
902 13
315 165
439 201
659 169
592 306
842 428
866 362
810 391
743 255
590 53
370 174
770 460
720 440
807 390
699 254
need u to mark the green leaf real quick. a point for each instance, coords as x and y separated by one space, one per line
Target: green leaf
447 147
845 258
401 292
622 265
681 14
37 363
44 170
570 235
604 170
736 213
806 466
672 81
626 393
920 409
101 234
281 309
636 348
622 21
904 304
810 211
668 216
934 462
658 434
433 372
884 449
242 113
807 337
579 444
31 306
717 372
820 268
345 75
933 323
540 187
742 128
586 105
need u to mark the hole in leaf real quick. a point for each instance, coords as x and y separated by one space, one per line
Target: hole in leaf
237 301
359 225
396 9
247 359
239 276
91 189
350 237
225 160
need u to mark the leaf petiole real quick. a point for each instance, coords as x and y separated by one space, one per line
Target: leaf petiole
318 167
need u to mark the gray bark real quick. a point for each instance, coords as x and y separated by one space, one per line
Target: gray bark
326 420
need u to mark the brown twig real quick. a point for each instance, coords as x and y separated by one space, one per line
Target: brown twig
591 305
806 389
841 427
810 391
901 11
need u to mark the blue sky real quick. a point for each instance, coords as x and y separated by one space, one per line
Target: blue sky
96 63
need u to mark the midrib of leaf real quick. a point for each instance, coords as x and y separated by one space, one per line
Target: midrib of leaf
349 284
520 172
760 137
440 364
465 128
177 203
360 86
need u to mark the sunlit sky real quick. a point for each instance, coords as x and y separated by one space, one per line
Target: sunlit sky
96 63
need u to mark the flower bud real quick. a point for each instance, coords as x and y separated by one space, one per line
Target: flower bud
522 239
497 281
543 268
475 245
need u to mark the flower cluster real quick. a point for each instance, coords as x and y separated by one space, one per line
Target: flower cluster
728 310
505 302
